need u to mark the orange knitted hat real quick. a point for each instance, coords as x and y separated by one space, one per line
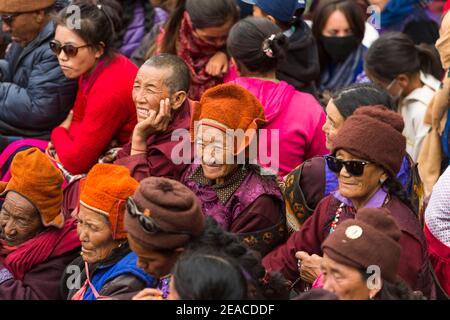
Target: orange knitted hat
14 6
105 190
232 106
35 177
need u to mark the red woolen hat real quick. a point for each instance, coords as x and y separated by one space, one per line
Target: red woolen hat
232 107
105 190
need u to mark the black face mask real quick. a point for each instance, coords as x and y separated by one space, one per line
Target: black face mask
339 48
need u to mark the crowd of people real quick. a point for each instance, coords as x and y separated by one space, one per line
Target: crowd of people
224 149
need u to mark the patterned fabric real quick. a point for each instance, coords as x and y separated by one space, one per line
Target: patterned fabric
5 275
164 286
252 186
345 73
226 190
437 214
196 53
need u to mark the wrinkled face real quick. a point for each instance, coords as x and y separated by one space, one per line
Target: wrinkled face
333 124
337 25
86 58
380 3
344 281
216 36
149 89
24 27
154 263
216 153
19 220
359 189
95 235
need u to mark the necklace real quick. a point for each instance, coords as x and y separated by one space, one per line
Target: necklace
337 216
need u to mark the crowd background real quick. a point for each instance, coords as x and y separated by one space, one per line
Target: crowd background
345 109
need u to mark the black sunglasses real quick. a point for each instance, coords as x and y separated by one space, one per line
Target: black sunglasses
353 167
69 49
148 224
145 220
9 18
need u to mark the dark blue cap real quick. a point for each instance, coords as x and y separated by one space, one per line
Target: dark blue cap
282 10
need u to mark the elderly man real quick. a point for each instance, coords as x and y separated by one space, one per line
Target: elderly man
34 94
160 94
163 110
36 241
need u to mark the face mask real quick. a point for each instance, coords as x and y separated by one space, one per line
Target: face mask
339 48
397 99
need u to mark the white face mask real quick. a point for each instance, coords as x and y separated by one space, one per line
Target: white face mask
397 98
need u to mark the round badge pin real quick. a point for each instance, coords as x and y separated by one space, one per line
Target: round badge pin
354 232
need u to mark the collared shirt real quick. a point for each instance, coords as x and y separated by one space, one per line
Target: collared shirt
413 109
376 201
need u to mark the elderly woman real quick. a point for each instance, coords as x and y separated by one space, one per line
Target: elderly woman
347 268
312 181
164 221
36 241
108 266
233 192
162 217
366 174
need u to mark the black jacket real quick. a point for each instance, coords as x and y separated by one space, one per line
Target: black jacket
35 96
301 67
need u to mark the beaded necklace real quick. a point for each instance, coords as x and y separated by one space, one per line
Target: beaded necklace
337 216
339 210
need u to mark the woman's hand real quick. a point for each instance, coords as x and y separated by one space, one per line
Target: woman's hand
149 294
66 123
155 122
217 65
308 266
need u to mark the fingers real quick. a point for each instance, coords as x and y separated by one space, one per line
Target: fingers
224 68
301 255
148 294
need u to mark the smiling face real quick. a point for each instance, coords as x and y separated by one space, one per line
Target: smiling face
344 281
149 89
359 189
215 152
19 220
157 264
85 60
333 124
95 235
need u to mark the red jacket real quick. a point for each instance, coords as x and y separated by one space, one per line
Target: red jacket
103 112
414 266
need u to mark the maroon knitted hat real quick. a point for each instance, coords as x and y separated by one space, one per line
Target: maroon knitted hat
374 134
172 207
370 239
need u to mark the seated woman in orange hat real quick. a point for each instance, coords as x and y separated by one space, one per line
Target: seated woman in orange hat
107 265
227 181
36 242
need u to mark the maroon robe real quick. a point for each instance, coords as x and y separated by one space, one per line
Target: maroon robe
157 161
414 266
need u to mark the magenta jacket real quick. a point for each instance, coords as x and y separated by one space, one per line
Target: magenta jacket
297 115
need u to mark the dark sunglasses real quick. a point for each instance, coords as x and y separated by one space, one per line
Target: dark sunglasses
9 18
353 167
148 224
145 220
69 49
